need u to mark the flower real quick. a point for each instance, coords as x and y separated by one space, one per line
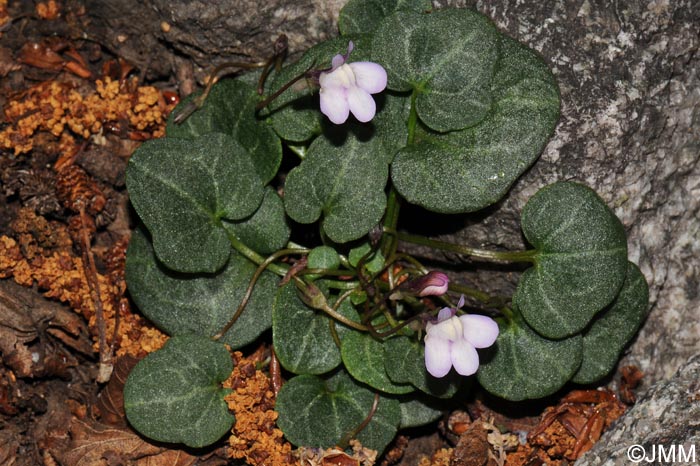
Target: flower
431 284
452 341
346 87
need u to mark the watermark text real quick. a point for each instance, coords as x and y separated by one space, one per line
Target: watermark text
683 454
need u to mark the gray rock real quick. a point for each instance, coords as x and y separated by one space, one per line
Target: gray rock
164 36
668 415
630 129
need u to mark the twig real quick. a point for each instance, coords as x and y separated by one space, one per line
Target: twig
106 366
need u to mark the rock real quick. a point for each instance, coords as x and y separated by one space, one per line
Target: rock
667 415
630 129
630 125
161 36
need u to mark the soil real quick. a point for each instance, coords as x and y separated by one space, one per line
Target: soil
73 112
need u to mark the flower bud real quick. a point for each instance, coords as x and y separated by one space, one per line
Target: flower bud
431 284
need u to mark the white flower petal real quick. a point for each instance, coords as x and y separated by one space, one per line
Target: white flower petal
450 329
480 331
437 356
464 357
342 77
361 104
369 76
334 104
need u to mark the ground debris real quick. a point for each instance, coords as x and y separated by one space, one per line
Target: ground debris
254 436
360 456
60 275
92 443
138 112
566 431
441 457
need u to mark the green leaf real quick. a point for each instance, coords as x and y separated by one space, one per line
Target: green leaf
182 189
448 57
344 182
296 114
374 263
610 331
301 337
390 124
581 259
468 170
363 357
523 365
199 304
174 394
230 109
266 231
417 412
317 412
404 361
322 257
364 16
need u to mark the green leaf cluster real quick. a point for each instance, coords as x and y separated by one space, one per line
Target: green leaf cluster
333 391
578 305
466 112
197 191
484 108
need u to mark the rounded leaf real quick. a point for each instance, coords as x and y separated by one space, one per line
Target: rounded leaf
174 394
581 259
266 231
182 189
230 109
447 56
404 362
344 182
364 16
314 412
468 170
363 357
418 412
323 257
301 336
199 304
523 365
613 328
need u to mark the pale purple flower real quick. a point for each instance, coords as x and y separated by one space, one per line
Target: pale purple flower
452 341
346 87
431 284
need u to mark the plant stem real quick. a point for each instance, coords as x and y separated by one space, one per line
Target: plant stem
265 264
345 441
508 256
391 218
278 269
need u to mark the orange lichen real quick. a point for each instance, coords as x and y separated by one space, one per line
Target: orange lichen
60 274
441 457
48 10
254 435
59 109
